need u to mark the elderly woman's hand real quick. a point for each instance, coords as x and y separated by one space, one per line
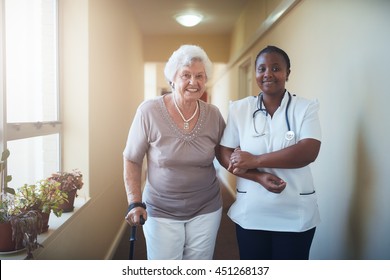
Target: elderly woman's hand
133 217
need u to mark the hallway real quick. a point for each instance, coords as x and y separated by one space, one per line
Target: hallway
225 248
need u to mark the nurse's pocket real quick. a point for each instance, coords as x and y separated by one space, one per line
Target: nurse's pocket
307 193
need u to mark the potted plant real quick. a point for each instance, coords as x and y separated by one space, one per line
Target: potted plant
6 241
69 182
26 226
17 229
44 196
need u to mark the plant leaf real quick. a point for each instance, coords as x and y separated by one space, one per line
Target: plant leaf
5 155
9 190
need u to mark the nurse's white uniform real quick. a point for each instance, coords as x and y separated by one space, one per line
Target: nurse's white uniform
295 209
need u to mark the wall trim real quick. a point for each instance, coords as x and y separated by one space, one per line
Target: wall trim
282 9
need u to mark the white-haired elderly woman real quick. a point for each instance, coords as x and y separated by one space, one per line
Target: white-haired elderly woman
179 134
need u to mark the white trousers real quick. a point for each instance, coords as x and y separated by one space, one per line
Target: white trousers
193 239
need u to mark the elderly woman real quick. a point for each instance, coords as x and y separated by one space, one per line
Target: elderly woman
179 134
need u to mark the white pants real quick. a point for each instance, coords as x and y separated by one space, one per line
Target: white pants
193 239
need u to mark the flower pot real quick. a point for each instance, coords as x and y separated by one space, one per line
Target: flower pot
45 222
6 242
68 206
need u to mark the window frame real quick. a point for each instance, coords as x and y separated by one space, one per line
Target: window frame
23 130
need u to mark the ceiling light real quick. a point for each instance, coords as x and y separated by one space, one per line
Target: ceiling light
188 19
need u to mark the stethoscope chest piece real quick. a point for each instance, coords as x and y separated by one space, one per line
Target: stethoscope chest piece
290 135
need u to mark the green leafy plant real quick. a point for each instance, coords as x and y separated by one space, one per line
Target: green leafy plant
5 179
5 190
26 225
45 196
4 213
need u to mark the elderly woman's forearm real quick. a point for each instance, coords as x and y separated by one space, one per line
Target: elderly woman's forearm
132 179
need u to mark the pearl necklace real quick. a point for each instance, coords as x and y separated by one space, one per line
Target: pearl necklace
186 122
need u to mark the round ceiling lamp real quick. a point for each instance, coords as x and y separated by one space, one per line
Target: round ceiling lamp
189 19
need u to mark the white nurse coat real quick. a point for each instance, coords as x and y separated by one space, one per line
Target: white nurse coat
295 209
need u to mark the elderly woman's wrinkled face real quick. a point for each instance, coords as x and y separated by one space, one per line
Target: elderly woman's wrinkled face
190 81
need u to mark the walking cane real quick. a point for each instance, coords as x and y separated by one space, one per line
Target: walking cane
133 238
133 232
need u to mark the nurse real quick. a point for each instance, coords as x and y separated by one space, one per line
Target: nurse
269 142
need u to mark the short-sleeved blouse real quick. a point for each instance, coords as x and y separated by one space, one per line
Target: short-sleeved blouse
181 177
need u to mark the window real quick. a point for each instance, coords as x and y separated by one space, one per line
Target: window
31 127
245 79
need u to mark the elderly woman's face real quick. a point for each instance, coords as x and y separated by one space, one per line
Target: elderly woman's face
190 81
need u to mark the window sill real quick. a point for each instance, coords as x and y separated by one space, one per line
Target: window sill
55 225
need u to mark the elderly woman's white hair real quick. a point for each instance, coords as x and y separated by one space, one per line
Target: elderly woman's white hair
184 56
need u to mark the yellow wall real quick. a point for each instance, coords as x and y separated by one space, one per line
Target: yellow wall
251 19
160 48
101 87
339 54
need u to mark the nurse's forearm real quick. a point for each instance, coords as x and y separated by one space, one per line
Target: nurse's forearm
295 156
252 174
267 180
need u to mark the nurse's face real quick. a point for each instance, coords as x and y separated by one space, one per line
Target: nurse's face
271 73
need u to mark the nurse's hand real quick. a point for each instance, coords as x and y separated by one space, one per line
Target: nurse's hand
242 159
271 182
235 170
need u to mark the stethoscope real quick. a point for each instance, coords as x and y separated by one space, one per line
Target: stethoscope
289 134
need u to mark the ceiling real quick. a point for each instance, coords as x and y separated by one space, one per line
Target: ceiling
155 17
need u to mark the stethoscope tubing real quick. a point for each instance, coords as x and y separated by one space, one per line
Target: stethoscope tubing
260 108
287 107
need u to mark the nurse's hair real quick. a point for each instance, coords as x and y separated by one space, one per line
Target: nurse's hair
274 49
185 56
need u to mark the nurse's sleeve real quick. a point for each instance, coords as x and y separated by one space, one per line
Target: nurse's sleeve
311 127
230 136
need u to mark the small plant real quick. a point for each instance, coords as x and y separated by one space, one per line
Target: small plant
5 190
5 179
68 180
44 196
4 213
26 227
6 194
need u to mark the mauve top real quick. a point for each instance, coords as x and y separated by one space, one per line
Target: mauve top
181 178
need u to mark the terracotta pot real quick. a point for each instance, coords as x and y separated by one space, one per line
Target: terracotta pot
45 222
68 206
6 242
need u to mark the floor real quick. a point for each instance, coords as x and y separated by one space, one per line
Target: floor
225 248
